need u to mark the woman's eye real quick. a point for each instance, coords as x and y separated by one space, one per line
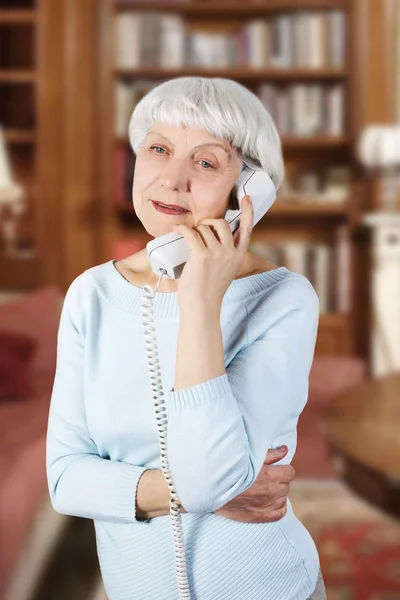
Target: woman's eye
207 163
158 148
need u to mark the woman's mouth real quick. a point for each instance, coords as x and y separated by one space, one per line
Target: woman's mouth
168 210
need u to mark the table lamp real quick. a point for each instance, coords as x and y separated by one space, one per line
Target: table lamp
378 150
12 200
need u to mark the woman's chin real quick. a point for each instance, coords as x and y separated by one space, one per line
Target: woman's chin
156 230
159 231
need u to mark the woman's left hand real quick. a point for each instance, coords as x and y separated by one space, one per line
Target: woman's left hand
214 260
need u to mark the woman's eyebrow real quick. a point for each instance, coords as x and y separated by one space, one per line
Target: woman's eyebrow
160 135
224 148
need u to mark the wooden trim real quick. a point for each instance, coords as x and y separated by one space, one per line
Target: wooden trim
17 17
22 136
227 8
397 63
374 36
49 157
246 73
80 151
17 76
389 37
107 230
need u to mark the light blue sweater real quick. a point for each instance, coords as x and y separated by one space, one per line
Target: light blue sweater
102 435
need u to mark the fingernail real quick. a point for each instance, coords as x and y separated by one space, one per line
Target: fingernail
249 199
282 448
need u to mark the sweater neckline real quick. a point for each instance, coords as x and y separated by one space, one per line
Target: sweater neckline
127 296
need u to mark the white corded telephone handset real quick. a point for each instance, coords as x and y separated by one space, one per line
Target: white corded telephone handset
168 255
170 251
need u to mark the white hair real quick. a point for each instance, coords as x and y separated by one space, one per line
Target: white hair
223 107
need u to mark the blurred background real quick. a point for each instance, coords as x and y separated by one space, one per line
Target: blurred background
71 72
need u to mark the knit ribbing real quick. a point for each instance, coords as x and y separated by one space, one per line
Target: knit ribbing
127 297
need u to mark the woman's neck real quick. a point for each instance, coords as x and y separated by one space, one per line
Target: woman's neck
137 270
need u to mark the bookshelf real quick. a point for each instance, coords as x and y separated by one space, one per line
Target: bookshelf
28 73
58 75
303 222
47 112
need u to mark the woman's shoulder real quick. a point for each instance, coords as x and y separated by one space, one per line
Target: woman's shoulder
280 288
286 303
258 265
88 284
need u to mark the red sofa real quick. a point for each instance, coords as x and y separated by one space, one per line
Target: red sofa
23 425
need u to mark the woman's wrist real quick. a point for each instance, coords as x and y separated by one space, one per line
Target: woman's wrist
152 495
200 310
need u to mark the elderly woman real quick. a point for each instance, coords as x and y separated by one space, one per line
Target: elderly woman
236 337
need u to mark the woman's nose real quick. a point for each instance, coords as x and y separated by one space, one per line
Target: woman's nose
175 176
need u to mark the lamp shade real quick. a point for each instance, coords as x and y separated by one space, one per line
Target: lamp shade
379 146
9 189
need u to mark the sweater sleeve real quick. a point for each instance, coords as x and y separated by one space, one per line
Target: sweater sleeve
80 482
219 431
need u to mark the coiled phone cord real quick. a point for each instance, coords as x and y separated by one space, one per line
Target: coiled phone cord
146 310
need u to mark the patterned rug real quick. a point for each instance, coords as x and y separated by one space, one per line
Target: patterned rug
358 545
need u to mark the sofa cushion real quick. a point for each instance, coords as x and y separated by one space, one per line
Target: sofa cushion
37 315
16 354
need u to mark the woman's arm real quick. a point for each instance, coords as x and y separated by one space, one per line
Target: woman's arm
221 425
152 495
199 336
81 483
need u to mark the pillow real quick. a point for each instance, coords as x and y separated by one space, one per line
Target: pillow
16 354
36 315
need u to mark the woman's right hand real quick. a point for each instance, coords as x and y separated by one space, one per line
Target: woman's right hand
265 501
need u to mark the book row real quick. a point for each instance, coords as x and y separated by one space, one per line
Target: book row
302 39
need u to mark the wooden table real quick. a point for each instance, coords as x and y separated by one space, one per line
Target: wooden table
363 424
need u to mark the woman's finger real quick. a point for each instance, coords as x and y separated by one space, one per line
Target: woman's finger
192 237
243 233
280 503
208 236
284 488
222 231
280 500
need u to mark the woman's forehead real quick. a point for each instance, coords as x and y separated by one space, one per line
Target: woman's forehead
174 132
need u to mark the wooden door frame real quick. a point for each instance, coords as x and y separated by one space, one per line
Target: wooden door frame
67 145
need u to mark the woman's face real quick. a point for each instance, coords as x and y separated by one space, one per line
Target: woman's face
187 167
